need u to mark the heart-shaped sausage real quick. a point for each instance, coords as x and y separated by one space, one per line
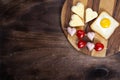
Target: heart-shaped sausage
91 35
90 46
90 14
76 21
78 9
71 31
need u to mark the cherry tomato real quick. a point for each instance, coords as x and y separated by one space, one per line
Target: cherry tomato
81 44
80 34
99 46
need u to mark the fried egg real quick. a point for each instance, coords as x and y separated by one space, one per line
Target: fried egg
104 25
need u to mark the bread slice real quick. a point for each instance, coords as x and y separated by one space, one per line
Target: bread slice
76 21
90 15
104 32
78 9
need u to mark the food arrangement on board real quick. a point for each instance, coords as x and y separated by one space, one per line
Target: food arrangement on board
102 27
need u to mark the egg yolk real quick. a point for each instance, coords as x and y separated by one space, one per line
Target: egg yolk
105 23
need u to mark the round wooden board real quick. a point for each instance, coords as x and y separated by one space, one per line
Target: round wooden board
113 44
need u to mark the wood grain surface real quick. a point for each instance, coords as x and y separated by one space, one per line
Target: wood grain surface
34 47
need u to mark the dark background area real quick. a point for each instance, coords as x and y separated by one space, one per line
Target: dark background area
33 46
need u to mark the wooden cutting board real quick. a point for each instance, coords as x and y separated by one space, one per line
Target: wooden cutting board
112 46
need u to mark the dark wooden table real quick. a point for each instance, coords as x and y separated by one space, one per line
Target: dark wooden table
33 46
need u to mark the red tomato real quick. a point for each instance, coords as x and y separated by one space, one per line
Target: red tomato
80 34
81 44
99 46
